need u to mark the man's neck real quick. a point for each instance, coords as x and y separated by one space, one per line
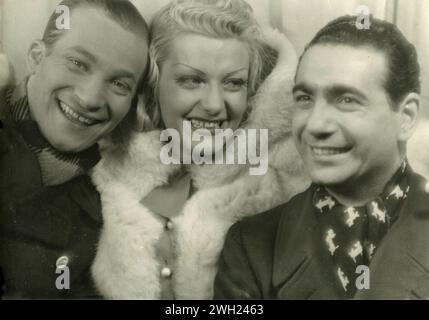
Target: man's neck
357 193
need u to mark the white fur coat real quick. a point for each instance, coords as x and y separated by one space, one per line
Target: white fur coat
125 266
4 71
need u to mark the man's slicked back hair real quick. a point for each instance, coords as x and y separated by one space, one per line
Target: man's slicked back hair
403 70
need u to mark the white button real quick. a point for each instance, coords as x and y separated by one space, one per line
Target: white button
169 225
62 262
427 187
166 272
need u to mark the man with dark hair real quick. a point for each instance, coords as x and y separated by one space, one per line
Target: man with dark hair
360 230
83 82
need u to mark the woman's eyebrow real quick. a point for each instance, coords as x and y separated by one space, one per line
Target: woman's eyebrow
189 67
203 73
236 71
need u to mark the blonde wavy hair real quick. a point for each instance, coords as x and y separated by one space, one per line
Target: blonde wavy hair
222 19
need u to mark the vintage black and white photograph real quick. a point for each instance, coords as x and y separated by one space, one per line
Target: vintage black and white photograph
214 150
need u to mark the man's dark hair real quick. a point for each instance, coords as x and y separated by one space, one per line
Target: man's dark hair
121 11
403 70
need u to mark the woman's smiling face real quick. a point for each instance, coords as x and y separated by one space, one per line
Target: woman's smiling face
203 81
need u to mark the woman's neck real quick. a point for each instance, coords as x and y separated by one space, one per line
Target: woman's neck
169 200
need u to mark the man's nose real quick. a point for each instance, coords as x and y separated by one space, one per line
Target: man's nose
213 101
320 122
91 93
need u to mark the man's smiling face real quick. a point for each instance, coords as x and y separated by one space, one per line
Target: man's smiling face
343 124
82 87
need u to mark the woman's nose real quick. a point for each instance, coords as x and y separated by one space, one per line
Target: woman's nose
213 100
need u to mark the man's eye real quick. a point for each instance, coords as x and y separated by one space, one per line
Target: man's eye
302 98
235 84
190 82
303 101
77 64
347 100
121 87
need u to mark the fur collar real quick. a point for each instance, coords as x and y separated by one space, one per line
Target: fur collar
126 266
4 72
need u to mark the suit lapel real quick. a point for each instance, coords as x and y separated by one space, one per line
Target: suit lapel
300 266
400 267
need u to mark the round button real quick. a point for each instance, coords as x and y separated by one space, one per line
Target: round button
166 272
169 225
62 262
427 187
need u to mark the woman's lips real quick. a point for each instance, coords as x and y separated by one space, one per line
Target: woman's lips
205 124
210 125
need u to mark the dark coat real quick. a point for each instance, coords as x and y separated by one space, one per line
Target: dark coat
40 224
279 255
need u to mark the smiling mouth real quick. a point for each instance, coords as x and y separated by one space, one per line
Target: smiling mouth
329 151
205 124
75 117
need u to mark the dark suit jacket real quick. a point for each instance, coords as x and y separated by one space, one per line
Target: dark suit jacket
40 224
278 254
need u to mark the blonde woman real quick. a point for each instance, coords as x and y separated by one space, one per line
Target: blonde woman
164 224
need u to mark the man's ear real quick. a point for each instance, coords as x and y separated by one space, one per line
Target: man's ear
35 56
408 116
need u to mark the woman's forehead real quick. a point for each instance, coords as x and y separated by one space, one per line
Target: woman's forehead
207 53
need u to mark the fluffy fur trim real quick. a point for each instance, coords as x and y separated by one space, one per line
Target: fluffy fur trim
126 266
4 72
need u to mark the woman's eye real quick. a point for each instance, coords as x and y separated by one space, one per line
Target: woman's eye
235 84
77 64
190 82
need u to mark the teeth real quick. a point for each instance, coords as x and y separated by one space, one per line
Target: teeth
69 112
328 151
199 124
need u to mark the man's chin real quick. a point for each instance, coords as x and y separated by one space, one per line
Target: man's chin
70 146
329 177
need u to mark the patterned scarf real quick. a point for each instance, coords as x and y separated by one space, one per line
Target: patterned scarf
352 234
56 167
